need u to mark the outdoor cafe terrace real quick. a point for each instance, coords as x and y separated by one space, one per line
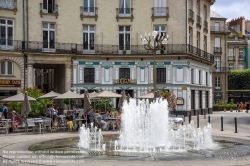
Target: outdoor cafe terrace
180 50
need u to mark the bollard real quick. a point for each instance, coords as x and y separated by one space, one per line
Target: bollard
208 119
198 125
190 118
204 114
221 123
183 117
235 123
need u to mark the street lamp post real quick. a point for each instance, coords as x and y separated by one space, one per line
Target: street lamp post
154 43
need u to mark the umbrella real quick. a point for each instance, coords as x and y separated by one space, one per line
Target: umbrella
18 98
147 96
25 110
49 95
108 94
122 99
69 95
87 102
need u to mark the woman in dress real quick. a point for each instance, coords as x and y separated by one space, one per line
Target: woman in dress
15 121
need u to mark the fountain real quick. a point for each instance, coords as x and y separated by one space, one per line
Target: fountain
146 128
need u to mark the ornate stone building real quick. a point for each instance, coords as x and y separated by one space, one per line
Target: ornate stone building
92 44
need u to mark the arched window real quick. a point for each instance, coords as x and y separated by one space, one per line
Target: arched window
6 68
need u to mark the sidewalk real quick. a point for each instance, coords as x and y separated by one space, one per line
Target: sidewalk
20 143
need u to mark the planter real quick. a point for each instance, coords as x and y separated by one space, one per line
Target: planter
231 110
225 110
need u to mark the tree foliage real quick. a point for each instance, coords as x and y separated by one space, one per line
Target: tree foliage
38 107
239 79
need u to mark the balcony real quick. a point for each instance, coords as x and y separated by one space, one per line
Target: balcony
217 50
88 12
205 27
10 5
241 58
219 30
198 21
124 13
160 12
48 9
231 58
174 50
191 15
123 81
221 69
217 86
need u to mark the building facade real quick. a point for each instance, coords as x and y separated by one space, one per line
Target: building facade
96 45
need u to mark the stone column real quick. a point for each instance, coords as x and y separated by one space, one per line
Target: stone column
30 75
67 77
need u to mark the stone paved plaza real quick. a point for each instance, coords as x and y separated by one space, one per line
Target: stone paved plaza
18 142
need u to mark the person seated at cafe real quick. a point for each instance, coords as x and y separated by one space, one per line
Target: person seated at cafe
104 120
69 121
15 121
118 121
2 124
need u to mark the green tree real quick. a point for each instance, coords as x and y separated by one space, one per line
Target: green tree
38 107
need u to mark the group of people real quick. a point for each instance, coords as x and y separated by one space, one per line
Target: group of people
14 120
239 106
106 123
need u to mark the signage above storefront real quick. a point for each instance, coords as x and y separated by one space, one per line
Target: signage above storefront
10 83
218 95
179 101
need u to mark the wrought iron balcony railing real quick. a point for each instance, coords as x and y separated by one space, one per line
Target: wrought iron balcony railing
124 13
218 29
160 12
217 50
231 58
89 12
191 15
241 58
198 21
48 9
8 5
222 69
73 48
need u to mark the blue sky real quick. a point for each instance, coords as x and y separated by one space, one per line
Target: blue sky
232 8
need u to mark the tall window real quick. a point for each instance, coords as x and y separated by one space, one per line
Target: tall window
161 29
206 99
124 38
231 54
217 44
88 37
192 99
160 7
241 66
205 12
6 32
7 4
217 63
200 99
192 76
6 68
89 75
200 77
124 73
198 40
48 6
161 75
124 8
89 7
48 37
241 56
217 82
205 43
231 66
198 7
190 36
207 78
216 26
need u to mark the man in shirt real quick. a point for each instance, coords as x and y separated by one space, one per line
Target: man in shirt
5 111
104 119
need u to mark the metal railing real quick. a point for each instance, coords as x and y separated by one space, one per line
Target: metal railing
88 11
73 48
48 8
221 69
217 49
191 15
218 29
231 58
241 58
124 12
198 20
160 11
7 4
